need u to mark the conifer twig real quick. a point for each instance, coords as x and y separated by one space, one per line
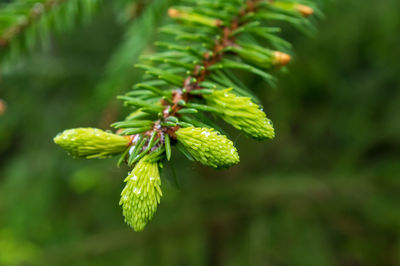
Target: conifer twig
34 14
25 23
192 77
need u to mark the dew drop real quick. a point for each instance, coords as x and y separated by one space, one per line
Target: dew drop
131 150
205 133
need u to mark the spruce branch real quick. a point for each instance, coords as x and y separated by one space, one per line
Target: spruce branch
24 22
33 12
192 76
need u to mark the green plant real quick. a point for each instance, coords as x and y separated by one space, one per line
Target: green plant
187 85
24 23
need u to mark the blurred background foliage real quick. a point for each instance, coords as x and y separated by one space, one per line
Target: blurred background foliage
325 192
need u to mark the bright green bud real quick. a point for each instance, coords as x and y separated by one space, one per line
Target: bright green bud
241 113
142 194
288 6
208 146
91 142
191 17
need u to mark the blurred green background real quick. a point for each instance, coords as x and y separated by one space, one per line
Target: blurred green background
325 192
